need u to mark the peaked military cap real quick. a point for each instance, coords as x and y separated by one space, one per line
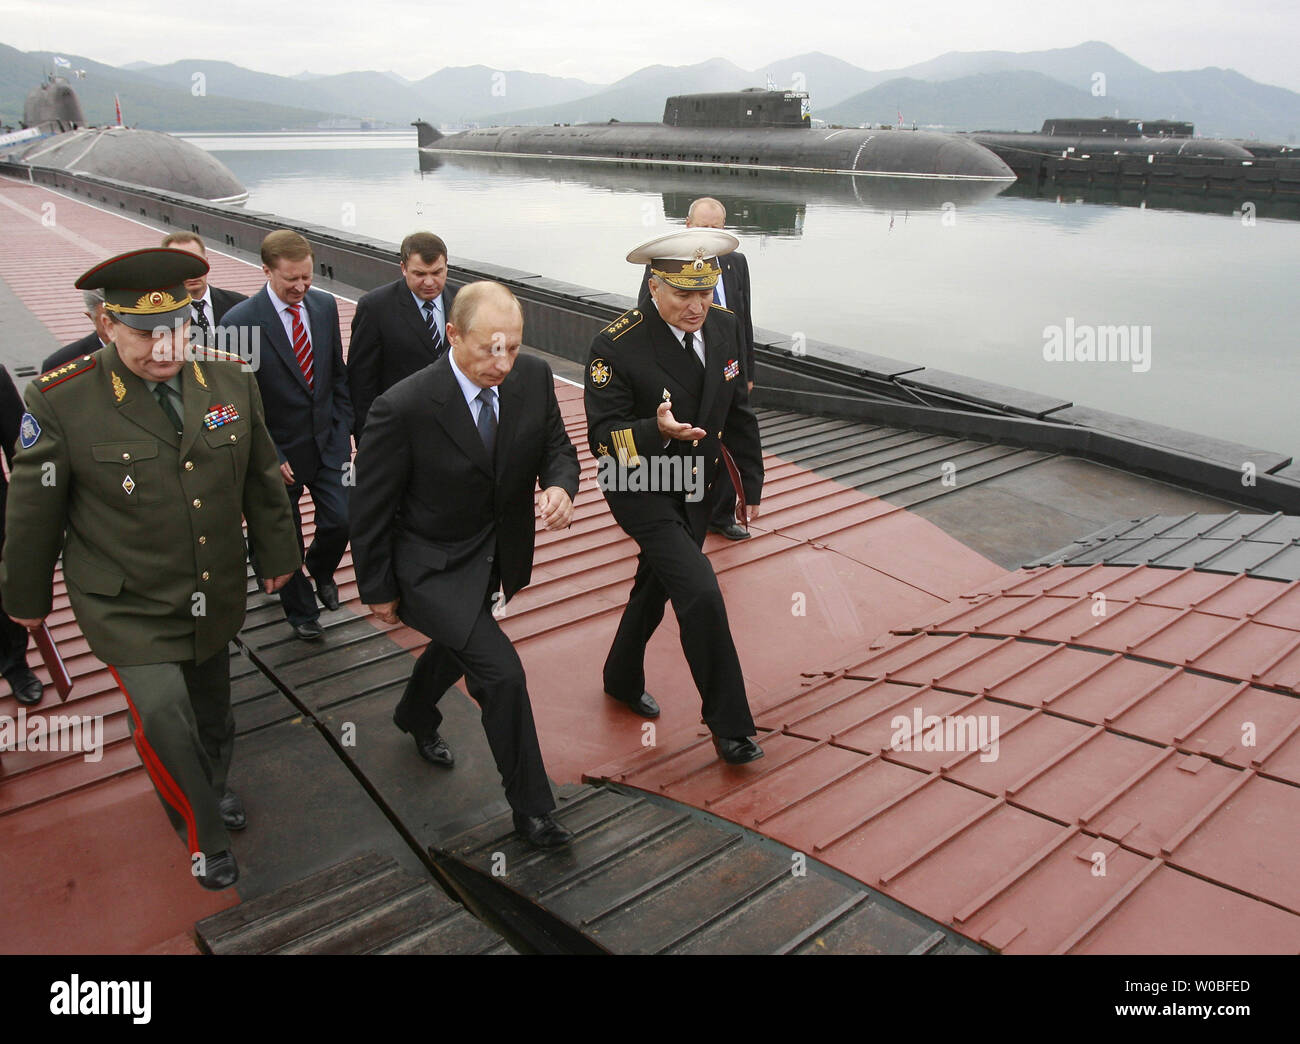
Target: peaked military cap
688 258
145 288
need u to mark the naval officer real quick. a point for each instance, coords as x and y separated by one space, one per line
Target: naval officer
149 461
666 398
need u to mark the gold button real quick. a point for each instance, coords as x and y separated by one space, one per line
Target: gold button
719 433
189 465
203 539
694 470
126 456
232 438
198 502
206 574
695 442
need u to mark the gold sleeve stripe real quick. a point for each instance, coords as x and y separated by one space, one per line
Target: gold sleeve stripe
625 447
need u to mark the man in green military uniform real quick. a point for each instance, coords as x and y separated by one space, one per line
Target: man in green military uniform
148 460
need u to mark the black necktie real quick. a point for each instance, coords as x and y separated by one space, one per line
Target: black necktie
164 396
487 420
204 325
433 327
688 342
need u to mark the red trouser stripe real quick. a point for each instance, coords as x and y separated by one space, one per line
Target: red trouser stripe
167 787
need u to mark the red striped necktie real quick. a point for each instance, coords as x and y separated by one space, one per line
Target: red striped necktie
301 344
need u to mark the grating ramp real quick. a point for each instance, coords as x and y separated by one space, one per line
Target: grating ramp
648 876
365 905
1264 546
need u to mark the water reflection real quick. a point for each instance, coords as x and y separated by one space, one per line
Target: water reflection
1217 201
757 201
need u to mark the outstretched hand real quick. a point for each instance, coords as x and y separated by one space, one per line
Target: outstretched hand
671 428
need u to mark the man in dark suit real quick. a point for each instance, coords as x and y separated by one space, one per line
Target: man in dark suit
27 688
400 327
208 304
442 517
299 364
731 292
680 358
92 342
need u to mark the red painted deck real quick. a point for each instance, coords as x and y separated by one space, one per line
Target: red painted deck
1145 763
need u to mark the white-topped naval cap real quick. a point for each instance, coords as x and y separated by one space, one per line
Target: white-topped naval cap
687 258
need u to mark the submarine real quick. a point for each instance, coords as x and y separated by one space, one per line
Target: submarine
1112 137
1161 155
64 140
753 128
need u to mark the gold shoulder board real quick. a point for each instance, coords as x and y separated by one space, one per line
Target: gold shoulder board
623 324
67 371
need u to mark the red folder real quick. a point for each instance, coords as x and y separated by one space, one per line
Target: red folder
53 661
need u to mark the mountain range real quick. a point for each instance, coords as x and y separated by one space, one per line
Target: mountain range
991 90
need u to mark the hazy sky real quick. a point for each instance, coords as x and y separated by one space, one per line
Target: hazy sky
603 42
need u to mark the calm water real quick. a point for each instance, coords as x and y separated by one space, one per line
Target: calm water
969 283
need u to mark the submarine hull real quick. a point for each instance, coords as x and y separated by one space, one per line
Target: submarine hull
1056 144
142 157
889 153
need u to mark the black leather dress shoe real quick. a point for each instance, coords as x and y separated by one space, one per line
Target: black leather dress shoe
232 811
27 688
432 747
644 704
223 871
738 751
542 831
309 631
732 531
328 593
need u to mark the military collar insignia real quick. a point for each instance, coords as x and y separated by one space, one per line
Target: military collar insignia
119 389
198 375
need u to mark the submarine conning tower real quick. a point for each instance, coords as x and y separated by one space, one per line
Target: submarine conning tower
1112 127
752 107
53 102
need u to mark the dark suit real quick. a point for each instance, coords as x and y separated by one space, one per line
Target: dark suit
437 525
633 362
88 345
735 286
13 637
222 302
390 341
311 427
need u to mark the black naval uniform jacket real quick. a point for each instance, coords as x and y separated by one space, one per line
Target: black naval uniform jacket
152 518
635 363
432 512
